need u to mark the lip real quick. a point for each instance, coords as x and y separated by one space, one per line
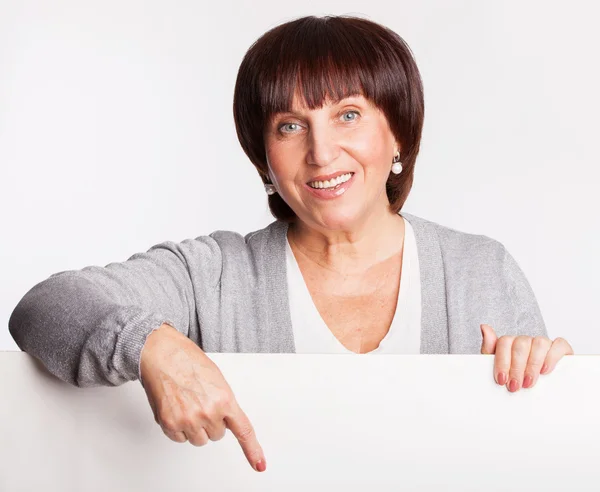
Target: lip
327 177
330 194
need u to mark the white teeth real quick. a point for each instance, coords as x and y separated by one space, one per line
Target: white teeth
330 183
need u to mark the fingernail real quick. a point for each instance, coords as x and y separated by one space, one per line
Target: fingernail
501 379
544 368
528 381
513 385
261 466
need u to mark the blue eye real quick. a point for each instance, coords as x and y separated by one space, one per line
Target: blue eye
282 127
286 124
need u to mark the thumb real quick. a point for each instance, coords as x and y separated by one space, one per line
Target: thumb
488 344
242 429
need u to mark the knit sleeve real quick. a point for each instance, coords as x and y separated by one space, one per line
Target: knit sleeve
88 326
528 317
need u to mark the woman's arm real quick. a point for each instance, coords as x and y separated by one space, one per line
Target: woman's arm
528 316
88 326
525 353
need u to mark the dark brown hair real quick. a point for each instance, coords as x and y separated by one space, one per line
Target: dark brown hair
330 57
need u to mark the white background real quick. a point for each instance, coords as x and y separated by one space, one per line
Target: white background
116 133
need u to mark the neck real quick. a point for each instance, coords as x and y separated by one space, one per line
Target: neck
350 251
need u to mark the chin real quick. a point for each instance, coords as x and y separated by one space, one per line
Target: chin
337 219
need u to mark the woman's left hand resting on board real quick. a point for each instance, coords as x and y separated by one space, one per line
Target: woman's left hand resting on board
519 360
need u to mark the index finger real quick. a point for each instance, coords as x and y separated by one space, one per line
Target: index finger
239 424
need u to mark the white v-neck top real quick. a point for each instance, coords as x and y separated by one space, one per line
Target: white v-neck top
311 334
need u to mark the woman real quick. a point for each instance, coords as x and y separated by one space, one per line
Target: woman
329 110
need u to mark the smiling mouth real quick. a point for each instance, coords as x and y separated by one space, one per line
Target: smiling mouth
331 183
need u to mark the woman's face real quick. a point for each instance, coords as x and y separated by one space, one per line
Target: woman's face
351 139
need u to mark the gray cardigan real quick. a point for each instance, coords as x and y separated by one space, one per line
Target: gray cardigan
228 293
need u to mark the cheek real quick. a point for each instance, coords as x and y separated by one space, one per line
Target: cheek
279 160
274 155
372 152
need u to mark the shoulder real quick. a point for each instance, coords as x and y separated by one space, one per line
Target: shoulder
456 245
260 238
242 253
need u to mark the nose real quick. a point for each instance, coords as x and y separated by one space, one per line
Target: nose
323 146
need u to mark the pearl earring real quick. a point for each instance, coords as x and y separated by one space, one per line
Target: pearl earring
270 188
397 166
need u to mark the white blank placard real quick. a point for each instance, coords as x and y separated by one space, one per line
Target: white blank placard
328 422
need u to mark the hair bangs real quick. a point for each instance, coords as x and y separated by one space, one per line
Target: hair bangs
326 65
